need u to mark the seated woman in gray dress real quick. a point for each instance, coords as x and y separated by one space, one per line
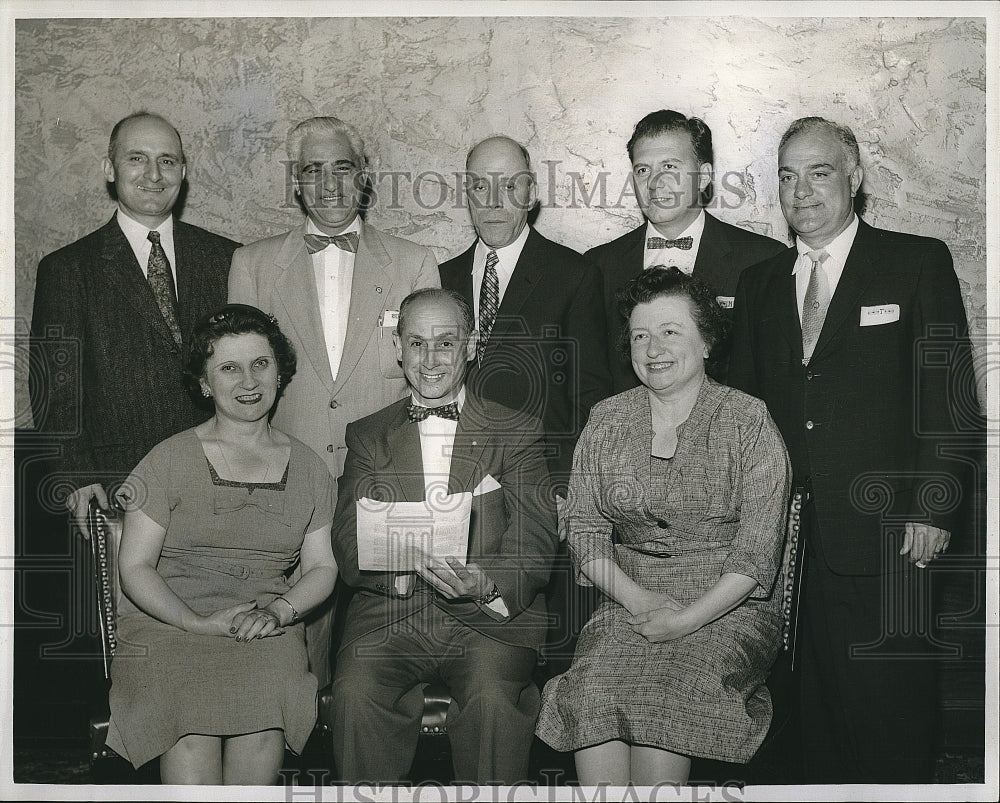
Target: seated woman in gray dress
676 512
211 670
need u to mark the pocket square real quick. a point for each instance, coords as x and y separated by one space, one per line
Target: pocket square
486 485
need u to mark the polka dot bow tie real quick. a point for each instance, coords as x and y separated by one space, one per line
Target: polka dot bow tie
418 413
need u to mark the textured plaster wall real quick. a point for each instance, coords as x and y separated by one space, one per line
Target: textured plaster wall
423 90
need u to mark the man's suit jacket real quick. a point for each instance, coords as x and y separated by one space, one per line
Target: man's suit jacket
546 352
723 253
863 422
512 533
276 275
112 381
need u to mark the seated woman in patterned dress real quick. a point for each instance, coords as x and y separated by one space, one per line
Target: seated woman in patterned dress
211 670
676 512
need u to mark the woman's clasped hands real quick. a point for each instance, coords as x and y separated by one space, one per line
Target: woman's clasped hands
658 617
243 621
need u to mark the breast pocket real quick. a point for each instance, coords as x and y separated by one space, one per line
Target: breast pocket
388 364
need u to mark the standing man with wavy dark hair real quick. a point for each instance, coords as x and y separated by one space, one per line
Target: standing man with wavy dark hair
672 172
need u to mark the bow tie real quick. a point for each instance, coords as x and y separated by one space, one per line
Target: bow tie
684 243
418 413
345 242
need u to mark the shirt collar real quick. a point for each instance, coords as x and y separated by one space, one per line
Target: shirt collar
136 232
507 254
838 248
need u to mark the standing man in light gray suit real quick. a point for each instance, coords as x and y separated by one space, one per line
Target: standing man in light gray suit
335 284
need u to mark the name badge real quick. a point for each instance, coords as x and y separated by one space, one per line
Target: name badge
876 316
390 318
726 302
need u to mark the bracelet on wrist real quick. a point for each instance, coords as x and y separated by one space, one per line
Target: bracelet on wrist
295 613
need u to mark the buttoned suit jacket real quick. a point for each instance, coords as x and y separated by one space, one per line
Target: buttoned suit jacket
546 352
108 383
512 534
725 250
866 420
276 275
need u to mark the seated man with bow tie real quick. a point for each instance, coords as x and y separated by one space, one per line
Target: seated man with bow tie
473 624
672 174
334 284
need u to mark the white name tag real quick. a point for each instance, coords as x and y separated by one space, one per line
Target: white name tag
876 316
390 318
726 302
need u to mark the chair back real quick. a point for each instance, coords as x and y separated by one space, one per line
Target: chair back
791 574
105 528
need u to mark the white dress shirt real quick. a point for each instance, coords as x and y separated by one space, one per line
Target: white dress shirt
437 445
833 266
676 257
333 269
507 256
138 238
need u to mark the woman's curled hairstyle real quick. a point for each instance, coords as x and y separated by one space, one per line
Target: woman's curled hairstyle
238 319
660 281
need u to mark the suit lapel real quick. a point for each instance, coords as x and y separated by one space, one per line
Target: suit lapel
781 293
713 254
857 275
471 438
370 287
522 284
125 277
633 253
403 443
464 265
296 287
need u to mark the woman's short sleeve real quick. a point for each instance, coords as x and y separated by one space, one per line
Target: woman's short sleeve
147 488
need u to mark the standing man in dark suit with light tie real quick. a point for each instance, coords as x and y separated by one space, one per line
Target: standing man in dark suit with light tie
831 335
124 300
672 170
473 622
335 284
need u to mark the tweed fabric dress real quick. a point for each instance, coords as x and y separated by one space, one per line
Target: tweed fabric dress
225 543
719 505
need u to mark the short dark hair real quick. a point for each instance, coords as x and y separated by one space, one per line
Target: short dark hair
238 319
116 131
806 125
667 120
435 294
663 282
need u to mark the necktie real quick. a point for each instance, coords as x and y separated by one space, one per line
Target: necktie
684 243
418 413
345 242
489 301
161 280
815 305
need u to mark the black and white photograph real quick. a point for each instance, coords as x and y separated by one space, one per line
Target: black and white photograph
669 327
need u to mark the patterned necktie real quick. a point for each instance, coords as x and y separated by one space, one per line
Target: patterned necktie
345 242
489 302
684 243
815 305
418 413
162 281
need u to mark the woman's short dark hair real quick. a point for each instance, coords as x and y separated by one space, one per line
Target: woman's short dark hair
662 282
238 319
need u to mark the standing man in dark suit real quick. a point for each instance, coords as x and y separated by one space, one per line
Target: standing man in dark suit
124 298
830 334
335 284
474 625
542 339
672 169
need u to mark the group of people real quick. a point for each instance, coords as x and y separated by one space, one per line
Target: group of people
665 392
